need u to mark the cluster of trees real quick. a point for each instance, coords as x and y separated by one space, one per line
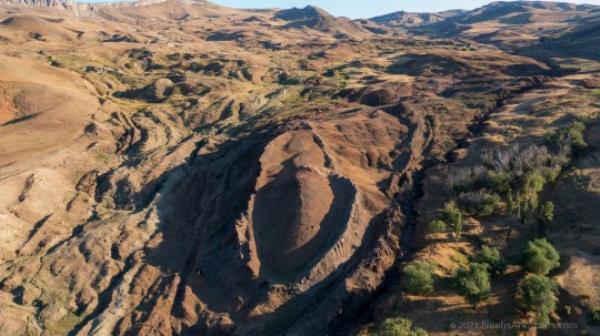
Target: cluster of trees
474 280
537 292
569 139
509 182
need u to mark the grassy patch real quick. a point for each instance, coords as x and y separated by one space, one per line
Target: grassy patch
103 157
64 325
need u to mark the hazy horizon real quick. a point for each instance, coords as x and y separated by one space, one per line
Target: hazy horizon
372 8
362 10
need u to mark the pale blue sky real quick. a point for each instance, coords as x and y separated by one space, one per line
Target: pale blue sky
365 8
368 8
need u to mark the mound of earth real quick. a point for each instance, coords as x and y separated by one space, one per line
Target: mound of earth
39 28
153 93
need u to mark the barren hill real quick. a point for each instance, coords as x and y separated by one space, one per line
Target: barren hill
183 168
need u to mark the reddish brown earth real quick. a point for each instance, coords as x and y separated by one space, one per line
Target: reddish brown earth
181 168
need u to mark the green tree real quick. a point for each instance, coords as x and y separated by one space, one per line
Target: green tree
537 293
533 183
397 326
474 282
540 257
499 181
571 136
491 256
453 216
418 278
575 134
436 226
490 205
547 212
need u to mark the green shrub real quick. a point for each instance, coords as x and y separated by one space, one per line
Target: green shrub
547 212
498 181
397 326
551 173
473 282
533 183
436 226
453 216
491 256
575 134
418 278
537 293
490 205
540 257
571 137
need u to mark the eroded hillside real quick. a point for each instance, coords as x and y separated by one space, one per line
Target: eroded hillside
183 168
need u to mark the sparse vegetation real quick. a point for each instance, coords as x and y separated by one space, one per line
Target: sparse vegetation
547 212
453 216
540 257
569 138
397 326
418 278
481 203
436 226
537 293
499 181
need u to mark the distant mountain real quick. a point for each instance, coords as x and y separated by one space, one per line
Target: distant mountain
576 41
515 23
507 11
318 19
407 20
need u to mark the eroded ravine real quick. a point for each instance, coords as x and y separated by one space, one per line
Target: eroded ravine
413 183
